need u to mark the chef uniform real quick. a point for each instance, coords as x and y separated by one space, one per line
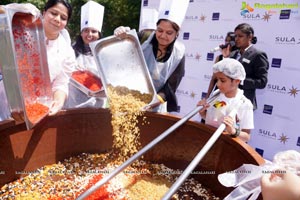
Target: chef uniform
91 17
173 10
148 20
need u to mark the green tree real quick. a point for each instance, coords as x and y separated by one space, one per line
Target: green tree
116 13
38 3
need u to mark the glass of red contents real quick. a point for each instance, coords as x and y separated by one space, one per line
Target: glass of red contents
24 65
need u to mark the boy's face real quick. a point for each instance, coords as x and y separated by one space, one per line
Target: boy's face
227 85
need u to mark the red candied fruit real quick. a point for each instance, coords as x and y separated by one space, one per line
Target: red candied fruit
88 80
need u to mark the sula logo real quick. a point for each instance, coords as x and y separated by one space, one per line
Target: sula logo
246 8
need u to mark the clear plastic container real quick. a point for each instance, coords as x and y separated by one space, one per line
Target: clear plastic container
24 65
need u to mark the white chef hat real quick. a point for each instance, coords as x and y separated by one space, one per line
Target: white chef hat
173 10
148 19
231 68
92 16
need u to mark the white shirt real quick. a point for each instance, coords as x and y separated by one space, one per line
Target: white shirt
87 62
61 62
222 106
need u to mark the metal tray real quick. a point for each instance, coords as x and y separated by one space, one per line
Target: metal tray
85 89
24 64
121 63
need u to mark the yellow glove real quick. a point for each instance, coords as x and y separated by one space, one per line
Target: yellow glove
160 98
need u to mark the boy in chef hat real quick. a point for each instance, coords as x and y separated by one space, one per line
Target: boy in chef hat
229 73
91 25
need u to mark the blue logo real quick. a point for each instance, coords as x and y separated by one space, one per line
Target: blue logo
259 151
178 108
186 35
145 3
268 109
215 16
210 56
285 14
298 142
203 95
276 62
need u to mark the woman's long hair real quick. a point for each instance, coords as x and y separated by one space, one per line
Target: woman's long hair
81 48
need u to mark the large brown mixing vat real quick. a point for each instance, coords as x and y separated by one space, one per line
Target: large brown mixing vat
89 130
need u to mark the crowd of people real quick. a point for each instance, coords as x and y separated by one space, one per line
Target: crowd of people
237 73
163 53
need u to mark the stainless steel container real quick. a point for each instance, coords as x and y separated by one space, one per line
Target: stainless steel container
23 60
85 87
121 63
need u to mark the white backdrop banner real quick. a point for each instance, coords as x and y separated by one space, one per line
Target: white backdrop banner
277 27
